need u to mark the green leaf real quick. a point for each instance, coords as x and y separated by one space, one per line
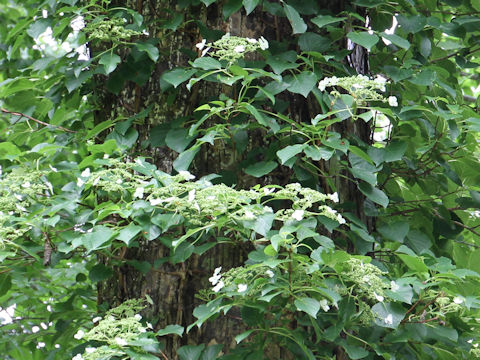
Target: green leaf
411 24
317 153
177 76
256 114
171 329
364 39
261 168
313 42
239 338
303 83
38 27
178 139
395 231
9 150
395 151
414 263
298 25
279 63
289 151
128 233
250 5
5 284
190 352
100 272
396 40
99 238
109 62
207 63
231 7
355 352
322 20
388 315
374 194
183 161
208 2
150 49
308 305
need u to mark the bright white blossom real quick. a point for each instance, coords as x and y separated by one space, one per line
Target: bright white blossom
26 184
268 191
139 193
394 286
191 195
186 175
80 333
270 273
252 41
263 43
298 214
138 317
392 101
90 350
85 173
239 49
96 319
77 357
201 44
388 320
80 182
334 197
378 297
119 181
219 286
120 341
249 215
457 300
216 276
204 52
324 305
242 288
155 202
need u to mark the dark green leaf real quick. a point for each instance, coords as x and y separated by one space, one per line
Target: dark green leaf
363 38
110 62
298 25
177 76
261 168
308 305
289 151
250 5
374 194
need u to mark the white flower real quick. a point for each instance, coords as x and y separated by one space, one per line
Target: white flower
324 305
35 329
268 209
242 288
80 333
298 214
155 202
358 86
119 181
106 156
120 341
145 32
457 300
388 320
378 297
394 286
40 345
77 357
322 85
334 197
216 276
392 101
380 80
270 273
340 219
204 52
201 44
191 195
334 80
138 193
90 350
80 182
366 279
96 319
219 286
217 270
268 191
251 41
78 23
263 43
197 207
249 215
85 173
149 325
239 49
186 175
26 184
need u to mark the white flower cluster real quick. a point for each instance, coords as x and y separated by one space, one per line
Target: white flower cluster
216 280
361 87
232 48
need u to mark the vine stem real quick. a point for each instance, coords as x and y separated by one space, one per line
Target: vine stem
35 120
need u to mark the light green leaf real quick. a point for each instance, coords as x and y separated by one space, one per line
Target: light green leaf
109 62
207 63
150 49
128 233
396 40
290 151
414 263
355 352
183 161
261 168
177 76
364 39
99 238
298 25
250 5
244 335
303 83
396 230
9 150
374 194
256 114
322 20
171 329
308 305
317 153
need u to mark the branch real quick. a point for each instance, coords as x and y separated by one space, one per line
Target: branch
35 120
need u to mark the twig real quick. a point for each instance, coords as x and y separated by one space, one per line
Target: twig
35 120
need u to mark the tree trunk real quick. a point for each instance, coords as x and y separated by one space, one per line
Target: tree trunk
173 287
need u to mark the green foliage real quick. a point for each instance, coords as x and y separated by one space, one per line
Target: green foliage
78 185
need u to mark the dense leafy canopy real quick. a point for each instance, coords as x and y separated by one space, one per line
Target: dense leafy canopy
77 187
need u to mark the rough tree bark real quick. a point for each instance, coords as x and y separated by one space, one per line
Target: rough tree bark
172 287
